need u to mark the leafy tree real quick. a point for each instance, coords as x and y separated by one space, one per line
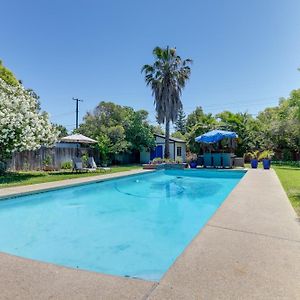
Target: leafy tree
239 123
22 125
34 95
61 129
195 117
103 145
178 135
198 123
157 129
7 76
119 128
117 138
180 124
167 77
138 131
280 125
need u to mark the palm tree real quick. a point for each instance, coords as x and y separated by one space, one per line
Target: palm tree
167 77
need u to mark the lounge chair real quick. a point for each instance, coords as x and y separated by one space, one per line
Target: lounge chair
78 165
93 165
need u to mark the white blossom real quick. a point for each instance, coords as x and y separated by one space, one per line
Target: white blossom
22 127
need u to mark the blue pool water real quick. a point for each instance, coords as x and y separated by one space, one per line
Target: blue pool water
135 226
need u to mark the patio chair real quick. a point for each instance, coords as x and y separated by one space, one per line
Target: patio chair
207 160
93 165
78 165
217 160
227 160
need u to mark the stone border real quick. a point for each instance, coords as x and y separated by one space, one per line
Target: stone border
15 191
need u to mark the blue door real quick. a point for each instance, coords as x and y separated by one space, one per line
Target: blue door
152 154
157 152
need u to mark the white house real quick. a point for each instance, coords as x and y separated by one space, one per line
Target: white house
177 149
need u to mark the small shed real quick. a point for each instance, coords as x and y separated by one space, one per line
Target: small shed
177 149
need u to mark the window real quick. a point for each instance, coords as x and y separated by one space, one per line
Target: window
178 151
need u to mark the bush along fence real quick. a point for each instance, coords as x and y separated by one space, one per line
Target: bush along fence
48 159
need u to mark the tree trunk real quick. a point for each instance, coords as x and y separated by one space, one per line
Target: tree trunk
167 140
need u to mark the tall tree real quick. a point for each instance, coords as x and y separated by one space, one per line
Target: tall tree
22 125
8 76
157 129
167 77
61 129
198 123
117 129
180 124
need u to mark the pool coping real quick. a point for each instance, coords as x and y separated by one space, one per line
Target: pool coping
15 191
228 258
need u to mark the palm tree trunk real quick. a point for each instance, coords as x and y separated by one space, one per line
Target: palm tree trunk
167 140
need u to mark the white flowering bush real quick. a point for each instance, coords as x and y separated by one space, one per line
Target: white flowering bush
22 125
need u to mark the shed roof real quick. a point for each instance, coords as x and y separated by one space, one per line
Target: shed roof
171 138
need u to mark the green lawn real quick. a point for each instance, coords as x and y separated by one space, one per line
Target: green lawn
27 178
290 180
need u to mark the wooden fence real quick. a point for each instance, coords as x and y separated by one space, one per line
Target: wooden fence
35 160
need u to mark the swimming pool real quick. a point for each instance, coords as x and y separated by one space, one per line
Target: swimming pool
135 226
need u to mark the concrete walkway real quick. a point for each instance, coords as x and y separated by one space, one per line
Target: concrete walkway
250 249
36 188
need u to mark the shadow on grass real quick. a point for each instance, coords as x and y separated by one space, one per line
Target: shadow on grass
18 177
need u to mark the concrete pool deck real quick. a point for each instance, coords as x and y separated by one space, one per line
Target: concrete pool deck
250 249
47 186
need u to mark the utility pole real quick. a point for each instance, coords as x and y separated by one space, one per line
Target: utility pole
77 110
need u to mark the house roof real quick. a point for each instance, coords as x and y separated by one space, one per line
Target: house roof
171 138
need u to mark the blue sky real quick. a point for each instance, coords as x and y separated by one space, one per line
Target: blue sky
246 53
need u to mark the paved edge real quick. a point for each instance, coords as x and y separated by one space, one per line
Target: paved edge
249 249
48 186
24 279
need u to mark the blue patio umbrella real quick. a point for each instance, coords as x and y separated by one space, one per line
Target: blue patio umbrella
215 136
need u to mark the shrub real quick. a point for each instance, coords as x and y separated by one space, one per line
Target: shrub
67 165
85 159
47 161
179 160
157 160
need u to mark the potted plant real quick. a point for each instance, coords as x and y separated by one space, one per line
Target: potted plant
192 161
253 158
265 157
